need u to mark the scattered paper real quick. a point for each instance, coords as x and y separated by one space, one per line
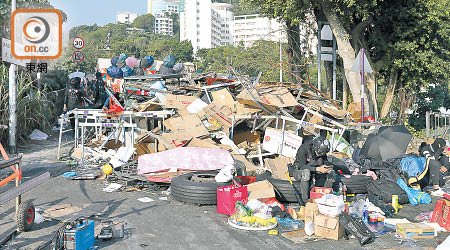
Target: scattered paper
38 135
145 199
162 198
112 187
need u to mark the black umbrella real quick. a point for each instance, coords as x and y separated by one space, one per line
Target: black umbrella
389 142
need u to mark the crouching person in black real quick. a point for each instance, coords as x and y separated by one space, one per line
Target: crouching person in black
311 166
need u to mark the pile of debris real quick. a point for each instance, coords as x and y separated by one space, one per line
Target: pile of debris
228 141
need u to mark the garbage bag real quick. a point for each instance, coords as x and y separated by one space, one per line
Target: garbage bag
225 174
131 62
127 71
178 68
163 70
169 61
122 58
147 61
114 61
114 72
357 228
416 197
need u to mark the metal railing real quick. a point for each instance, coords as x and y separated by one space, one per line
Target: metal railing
437 125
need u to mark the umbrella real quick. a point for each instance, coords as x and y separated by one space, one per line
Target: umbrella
389 142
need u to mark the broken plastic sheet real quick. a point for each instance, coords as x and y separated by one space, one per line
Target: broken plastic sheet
38 135
195 159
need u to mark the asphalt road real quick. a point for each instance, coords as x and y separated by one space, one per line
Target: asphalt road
159 224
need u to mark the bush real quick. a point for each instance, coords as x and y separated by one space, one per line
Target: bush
34 110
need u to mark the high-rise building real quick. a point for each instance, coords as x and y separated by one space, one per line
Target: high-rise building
125 17
250 28
204 23
163 25
157 7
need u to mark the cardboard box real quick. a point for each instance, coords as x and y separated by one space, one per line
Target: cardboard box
178 101
272 141
260 189
220 113
327 227
246 136
355 111
310 210
222 96
269 98
188 123
415 230
278 166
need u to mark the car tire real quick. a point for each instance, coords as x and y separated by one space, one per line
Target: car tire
188 189
356 184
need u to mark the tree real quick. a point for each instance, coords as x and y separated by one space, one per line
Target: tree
146 22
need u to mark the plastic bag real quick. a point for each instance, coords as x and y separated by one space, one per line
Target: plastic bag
225 174
309 228
415 197
331 204
357 228
169 61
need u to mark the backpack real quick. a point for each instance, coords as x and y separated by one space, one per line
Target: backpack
383 190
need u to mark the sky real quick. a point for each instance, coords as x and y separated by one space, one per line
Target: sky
98 12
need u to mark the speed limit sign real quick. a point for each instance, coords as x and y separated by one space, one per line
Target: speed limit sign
78 43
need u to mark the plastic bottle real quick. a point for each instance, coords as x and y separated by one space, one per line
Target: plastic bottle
365 214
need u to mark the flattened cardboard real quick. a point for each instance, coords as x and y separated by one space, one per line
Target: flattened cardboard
278 166
206 143
222 96
330 110
310 210
187 123
178 101
246 136
415 230
260 190
327 227
355 111
274 97
221 113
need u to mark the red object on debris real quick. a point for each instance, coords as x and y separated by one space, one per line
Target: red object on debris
317 192
227 197
441 213
274 202
247 179
210 80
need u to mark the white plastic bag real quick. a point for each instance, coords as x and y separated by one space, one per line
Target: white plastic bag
445 244
225 174
331 204
309 228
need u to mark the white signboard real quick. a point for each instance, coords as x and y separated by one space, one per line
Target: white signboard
356 67
7 56
272 142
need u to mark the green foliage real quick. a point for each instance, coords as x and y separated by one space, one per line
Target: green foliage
146 22
262 56
34 107
121 41
430 100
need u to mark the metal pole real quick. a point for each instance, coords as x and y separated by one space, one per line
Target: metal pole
334 67
319 58
362 85
12 99
281 70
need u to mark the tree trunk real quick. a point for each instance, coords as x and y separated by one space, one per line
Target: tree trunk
345 95
389 94
346 50
372 94
293 50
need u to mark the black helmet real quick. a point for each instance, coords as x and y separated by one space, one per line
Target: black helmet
320 146
75 80
98 74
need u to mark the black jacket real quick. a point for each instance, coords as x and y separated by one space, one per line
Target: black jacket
307 159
